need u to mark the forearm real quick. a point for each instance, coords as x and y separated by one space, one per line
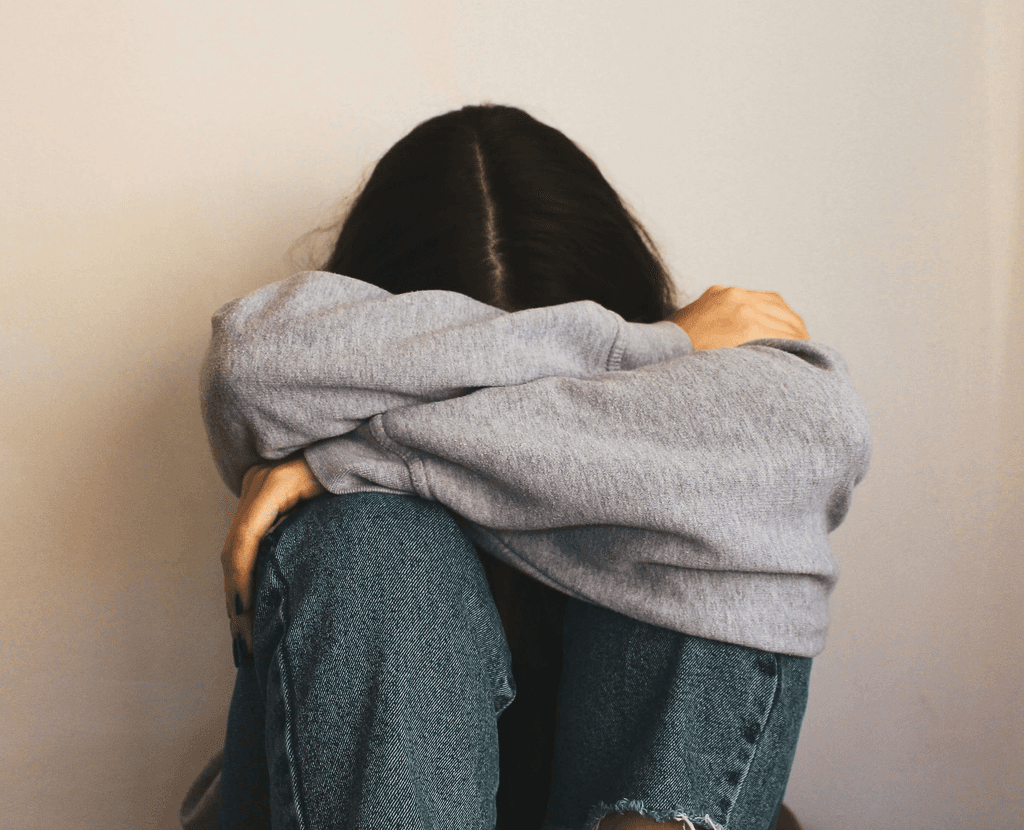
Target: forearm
315 356
772 432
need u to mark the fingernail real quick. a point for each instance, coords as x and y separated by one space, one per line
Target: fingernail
238 603
234 652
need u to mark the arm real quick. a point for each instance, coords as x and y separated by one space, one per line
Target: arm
736 458
771 431
315 356
697 494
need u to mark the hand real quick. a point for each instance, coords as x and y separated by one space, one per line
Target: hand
268 491
723 317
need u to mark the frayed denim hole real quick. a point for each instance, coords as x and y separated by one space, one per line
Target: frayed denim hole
635 805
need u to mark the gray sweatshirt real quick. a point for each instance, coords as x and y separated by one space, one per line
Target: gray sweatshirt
693 490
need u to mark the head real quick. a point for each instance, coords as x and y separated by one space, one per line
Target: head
489 202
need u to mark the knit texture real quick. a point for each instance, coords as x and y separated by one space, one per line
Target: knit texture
693 490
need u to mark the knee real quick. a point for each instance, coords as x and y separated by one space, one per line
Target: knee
385 572
372 542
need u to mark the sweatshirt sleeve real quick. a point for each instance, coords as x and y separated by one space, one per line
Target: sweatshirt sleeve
315 357
747 454
694 490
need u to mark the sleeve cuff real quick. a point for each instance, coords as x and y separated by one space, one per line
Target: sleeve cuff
358 462
642 344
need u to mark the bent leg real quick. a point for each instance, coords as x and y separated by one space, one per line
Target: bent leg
671 727
384 667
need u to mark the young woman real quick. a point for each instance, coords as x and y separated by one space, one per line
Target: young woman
486 424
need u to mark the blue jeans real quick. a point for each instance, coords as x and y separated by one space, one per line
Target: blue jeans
381 667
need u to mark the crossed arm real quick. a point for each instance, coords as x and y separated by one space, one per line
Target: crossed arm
722 317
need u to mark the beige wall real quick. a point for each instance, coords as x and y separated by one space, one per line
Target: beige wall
158 159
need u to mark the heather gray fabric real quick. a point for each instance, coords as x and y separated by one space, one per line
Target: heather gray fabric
609 460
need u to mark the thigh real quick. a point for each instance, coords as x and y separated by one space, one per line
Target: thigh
670 725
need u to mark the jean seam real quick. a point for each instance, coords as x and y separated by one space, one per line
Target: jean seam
776 694
496 640
287 698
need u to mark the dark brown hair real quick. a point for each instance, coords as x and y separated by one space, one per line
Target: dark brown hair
490 202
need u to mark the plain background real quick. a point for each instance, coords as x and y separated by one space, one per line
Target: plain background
160 158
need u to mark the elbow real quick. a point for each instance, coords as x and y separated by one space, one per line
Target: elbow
217 384
857 459
222 416
226 372
859 431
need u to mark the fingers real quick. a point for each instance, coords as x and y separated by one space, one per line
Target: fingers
774 312
253 518
785 320
268 491
239 563
730 316
780 310
238 593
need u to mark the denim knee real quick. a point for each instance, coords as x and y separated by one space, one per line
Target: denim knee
376 547
393 571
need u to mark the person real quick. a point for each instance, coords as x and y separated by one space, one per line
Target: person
486 422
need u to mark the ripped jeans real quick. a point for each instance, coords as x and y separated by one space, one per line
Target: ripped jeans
381 668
